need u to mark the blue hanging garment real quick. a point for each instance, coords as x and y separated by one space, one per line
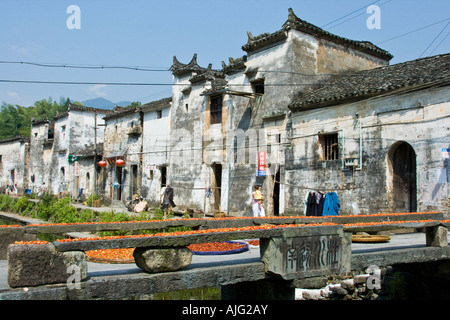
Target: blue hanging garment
331 205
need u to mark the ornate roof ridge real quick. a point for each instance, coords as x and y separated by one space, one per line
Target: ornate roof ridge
208 74
179 68
295 23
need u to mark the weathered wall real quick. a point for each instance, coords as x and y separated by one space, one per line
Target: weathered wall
123 139
156 138
417 118
14 163
248 125
40 155
186 173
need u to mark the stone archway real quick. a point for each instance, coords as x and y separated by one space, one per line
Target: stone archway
402 176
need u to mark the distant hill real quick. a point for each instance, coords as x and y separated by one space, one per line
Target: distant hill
102 103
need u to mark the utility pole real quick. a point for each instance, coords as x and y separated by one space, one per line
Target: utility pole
95 154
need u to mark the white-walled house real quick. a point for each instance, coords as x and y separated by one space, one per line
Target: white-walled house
14 158
155 148
378 138
56 145
122 141
222 118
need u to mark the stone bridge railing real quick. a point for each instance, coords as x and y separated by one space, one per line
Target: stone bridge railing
291 247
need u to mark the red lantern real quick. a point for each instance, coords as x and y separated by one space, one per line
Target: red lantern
102 163
120 162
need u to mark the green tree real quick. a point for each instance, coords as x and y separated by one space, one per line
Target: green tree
16 120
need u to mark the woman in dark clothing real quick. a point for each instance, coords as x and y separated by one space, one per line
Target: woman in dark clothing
168 199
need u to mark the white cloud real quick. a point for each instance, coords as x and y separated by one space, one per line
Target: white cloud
14 98
99 90
23 50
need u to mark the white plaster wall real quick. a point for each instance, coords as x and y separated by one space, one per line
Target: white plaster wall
419 118
156 138
13 158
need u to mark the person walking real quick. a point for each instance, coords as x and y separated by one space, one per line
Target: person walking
257 202
167 202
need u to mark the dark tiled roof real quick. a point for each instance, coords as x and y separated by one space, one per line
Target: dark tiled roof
156 105
87 109
21 139
120 112
209 74
368 83
234 64
151 106
293 22
89 151
263 40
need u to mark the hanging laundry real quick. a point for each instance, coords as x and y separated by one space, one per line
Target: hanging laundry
320 199
331 204
306 202
208 192
311 204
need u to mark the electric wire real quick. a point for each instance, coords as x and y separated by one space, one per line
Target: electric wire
75 66
412 31
439 44
435 38
348 14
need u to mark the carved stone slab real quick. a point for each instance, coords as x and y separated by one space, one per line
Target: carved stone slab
309 252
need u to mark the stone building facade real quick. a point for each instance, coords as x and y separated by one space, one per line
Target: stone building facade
389 125
56 148
14 160
155 148
122 142
328 114
221 118
139 136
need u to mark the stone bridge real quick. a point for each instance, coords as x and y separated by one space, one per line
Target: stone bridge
291 249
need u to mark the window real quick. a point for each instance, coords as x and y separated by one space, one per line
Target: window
258 86
63 132
1 158
329 146
216 110
163 176
159 114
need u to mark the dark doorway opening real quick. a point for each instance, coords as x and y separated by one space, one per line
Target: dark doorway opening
217 184
403 162
119 181
163 177
134 180
276 194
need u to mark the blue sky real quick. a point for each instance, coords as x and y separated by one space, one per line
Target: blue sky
148 34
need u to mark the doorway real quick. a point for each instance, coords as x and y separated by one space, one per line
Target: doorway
134 180
276 194
217 185
163 177
402 159
119 183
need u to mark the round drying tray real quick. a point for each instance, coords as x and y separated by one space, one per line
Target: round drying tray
370 238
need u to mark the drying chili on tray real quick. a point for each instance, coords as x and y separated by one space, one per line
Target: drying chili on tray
210 248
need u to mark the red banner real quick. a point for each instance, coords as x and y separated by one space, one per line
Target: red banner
261 163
